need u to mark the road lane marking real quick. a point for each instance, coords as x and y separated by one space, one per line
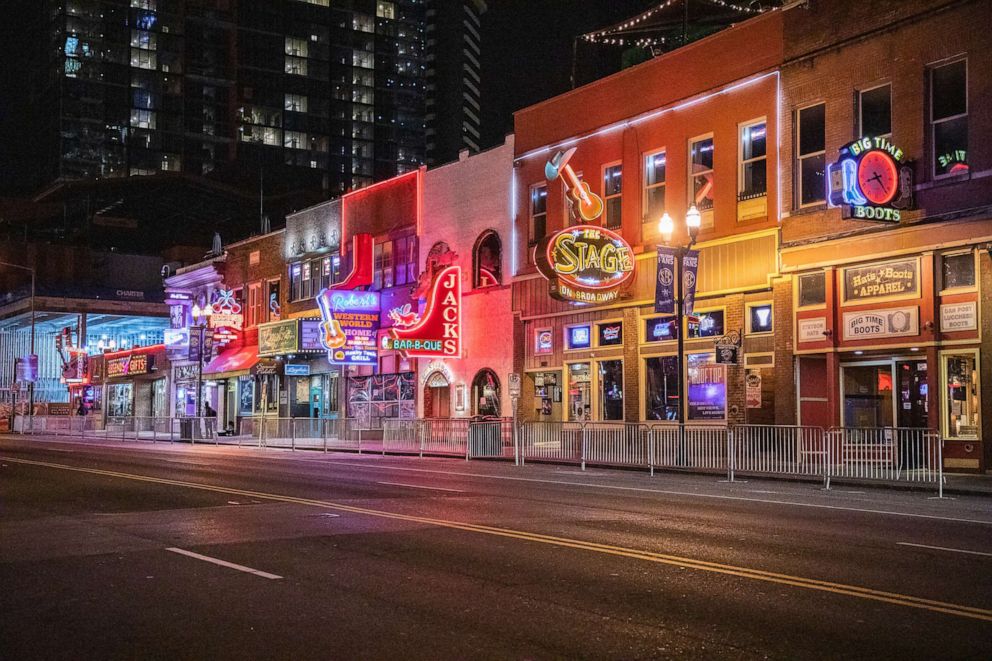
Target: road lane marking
894 598
418 486
667 492
944 548
224 563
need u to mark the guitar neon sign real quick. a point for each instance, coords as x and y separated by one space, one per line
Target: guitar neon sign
587 204
349 322
438 332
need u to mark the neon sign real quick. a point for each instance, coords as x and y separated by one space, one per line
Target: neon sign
871 180
586 264
438 332
127 365
349 323
226 311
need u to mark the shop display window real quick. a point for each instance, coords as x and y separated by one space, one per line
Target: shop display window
958 270
579 337
759 318
610 334
812 289
661 393
710 325
961 411
660 329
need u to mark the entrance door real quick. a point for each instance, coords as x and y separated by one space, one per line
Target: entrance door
580 392
437 402
868 397
911 379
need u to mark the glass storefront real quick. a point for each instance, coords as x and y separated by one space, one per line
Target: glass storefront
120 399
889 393
547 395
611 390
661 388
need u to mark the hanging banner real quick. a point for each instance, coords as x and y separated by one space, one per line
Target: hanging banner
690 265
195 346
349 326
664 286
438 332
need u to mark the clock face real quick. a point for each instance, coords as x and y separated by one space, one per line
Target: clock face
878 177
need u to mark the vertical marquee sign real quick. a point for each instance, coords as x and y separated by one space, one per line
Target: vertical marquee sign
437 333
586 264
350 320
871 180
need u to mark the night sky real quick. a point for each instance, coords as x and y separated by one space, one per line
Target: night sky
527 53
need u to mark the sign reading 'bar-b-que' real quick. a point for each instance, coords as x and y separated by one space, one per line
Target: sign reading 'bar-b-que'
438 332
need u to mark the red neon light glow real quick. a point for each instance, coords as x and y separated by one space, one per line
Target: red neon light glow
438 334
151 348
362 258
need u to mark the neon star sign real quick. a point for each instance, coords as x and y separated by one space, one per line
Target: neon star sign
438 332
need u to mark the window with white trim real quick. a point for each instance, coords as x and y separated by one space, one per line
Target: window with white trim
612 195
654 185
753 176
538 225
875 111
701 184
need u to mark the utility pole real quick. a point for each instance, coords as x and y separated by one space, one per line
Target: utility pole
30 383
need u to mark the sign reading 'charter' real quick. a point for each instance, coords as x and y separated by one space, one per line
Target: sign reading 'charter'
896 278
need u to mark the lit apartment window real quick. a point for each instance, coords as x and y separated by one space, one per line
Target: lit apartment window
363 23
294 140
949 118
875 111
319 3
363 59
612 187
753 178
143 59
297 46
171 163
295 102
701 173
143 119
145 4
654 186
144 39
538 213
811 154
296 65
385 10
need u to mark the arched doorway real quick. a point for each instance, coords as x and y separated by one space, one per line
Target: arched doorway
486 393
437 396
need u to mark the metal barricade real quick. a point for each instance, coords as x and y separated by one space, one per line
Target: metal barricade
490 438
777 450
615 443
690 446
551 441
885 453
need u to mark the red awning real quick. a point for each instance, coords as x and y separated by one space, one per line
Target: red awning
233 362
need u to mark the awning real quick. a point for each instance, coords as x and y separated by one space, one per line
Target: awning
233 362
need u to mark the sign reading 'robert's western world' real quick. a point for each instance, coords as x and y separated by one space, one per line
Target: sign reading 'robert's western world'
884 279
586 264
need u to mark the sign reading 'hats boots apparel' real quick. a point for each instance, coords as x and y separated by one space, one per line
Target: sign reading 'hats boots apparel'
899 278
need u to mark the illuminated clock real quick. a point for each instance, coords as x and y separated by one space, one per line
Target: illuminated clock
878 177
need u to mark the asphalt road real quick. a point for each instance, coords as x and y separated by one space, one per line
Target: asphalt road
118 551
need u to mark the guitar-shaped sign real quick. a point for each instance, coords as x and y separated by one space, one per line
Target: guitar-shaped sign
588 204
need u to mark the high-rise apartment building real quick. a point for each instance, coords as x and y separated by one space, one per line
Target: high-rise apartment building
323 94
453 48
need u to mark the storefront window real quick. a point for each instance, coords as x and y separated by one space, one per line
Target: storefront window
660 329
760 318
610 334
958 270
547 395
661 395
710 325
120 399
960 406
579 337
812 289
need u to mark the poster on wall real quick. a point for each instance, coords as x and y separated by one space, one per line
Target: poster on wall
707 393
246 395
752 389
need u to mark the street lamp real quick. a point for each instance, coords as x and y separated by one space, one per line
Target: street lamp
30 383
666 226
201 319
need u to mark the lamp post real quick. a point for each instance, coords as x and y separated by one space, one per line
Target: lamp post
201 317
666 226
30 383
